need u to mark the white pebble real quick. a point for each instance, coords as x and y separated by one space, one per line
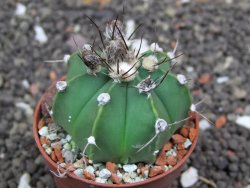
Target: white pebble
243 121
204 124
160 126
127 179
40 34
79 172
52 136
181 79
24 181
187 143
222 79
66 58
48 151
189 177
100 180
171 152
129 167
25 107
20 9
90 169
132 175
68 156
103 99
25 84
61 86
104 173
44 131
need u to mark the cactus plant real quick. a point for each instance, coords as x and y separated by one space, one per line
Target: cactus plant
118 104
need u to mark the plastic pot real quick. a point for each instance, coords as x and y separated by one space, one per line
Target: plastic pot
164 180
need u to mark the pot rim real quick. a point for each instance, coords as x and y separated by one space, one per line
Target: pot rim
37 117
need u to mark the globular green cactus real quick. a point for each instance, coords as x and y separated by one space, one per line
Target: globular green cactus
120 105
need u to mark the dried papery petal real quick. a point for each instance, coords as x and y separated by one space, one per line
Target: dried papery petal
181 79
160 126
61 86
103 99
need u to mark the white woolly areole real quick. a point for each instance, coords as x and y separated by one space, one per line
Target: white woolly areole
150 63
181 79
160 126
66 58
91 140
193 108
155 47
103 99
124 67
61 86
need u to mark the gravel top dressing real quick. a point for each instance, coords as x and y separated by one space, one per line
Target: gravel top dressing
215 40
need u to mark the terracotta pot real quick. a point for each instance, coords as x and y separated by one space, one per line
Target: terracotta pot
164 180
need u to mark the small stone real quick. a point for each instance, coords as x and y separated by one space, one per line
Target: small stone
192 134
187 144
68 156
100 180
204 125
184 132
181 153
205 78
171 152
88 175
189 177
90 169
168 146
67 146
79 172
48 150
111 167
239 93
129 167
161 159
103 99
104 173
44 131
178 139
52 136
156 170
115 179
222 79
243 121
220 121
20 9
25 107
132 175
61 86
171 160
24 181
40 34
127 179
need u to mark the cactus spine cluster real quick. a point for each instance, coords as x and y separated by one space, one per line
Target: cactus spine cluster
126 102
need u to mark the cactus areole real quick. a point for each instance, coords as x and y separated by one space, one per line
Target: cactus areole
129 102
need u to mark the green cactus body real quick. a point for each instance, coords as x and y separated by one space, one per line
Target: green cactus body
127 122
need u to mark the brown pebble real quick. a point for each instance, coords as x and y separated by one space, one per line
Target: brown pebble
171 160
178 139
204 78
53 156
168 146
52 75
184 132
70 167
58 153
181 153
144 169
192 134
161 159
156 170
88 175
111 167
220 121
115 179
180 146
40 124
